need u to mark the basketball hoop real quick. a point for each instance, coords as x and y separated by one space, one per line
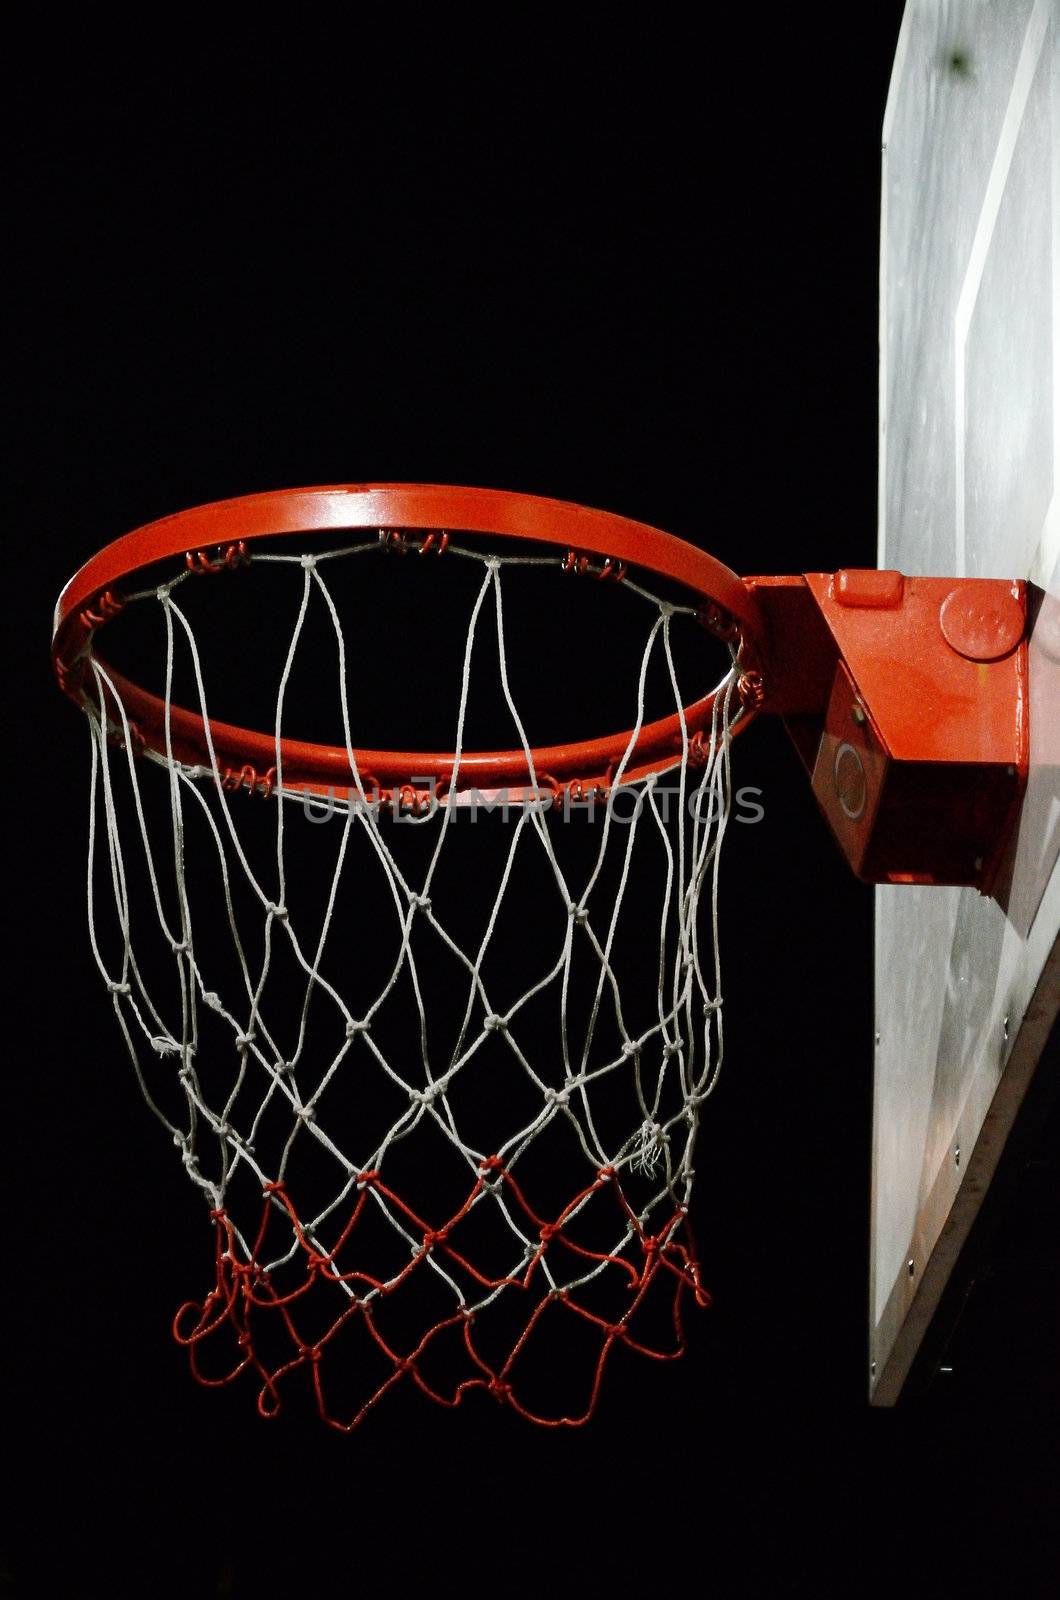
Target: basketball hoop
294 1091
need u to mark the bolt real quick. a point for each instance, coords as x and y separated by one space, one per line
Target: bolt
957 1156
978 863
877 1036
872 1369
1004 1027
858 714
912 1268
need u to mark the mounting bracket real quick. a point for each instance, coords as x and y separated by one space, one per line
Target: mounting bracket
906 699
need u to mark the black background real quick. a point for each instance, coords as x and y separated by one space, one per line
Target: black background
639 272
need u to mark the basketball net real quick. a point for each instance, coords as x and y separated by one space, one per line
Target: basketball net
256 1045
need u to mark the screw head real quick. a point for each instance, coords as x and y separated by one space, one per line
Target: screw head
912 1268
858 715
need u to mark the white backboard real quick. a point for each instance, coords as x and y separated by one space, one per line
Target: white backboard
966 986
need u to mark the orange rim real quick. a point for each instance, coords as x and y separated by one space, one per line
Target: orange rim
218 534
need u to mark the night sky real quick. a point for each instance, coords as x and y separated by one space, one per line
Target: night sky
637 271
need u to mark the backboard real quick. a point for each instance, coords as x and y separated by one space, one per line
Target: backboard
966 985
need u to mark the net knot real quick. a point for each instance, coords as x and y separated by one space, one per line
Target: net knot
547 1232
211 999
354 1028
180 947
277 911
426 1097
435 1236
493 1023
672 1047
308 562
244 1040
558 1097
421 901
488 1165
579 913
304 1113
629 1050
163 1046
117 988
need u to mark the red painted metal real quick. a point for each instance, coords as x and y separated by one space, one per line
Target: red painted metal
873 691
799 651
905 697
325 769
869 587
937 705
428 507
982 622
223 534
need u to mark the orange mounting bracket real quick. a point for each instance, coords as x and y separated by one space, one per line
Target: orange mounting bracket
906 699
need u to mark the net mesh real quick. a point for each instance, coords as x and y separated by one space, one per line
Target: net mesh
436 1069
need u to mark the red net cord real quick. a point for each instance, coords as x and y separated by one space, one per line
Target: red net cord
246 1309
